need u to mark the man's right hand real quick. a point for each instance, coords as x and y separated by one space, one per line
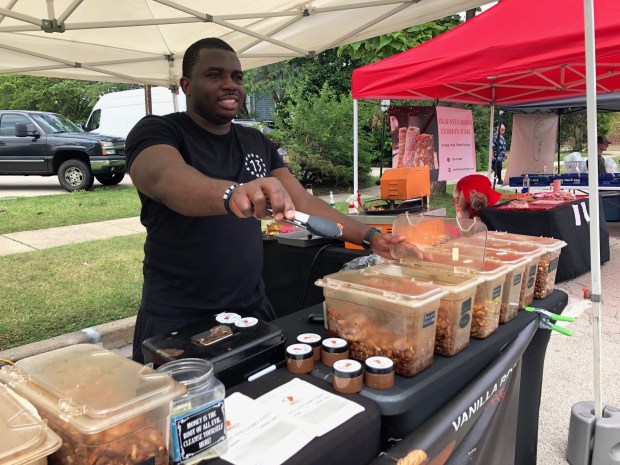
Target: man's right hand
251 199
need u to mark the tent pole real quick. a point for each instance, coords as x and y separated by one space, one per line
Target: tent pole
355 147
559 132
491 123
593 198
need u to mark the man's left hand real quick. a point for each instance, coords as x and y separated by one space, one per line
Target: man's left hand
381 243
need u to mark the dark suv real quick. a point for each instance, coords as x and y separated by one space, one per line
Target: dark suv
48 144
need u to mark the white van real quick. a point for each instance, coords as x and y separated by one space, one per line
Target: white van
115 113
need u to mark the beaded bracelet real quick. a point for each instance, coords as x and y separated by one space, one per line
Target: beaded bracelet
227 195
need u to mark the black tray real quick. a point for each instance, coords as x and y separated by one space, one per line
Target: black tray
236 357
393 207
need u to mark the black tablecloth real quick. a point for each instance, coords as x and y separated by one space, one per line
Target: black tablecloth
558 222
412 401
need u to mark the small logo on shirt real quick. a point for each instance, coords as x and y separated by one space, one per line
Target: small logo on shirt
255 165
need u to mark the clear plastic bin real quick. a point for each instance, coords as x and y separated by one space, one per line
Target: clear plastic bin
26 438
105 407
385 315
548 262
455 308
512 284
455 245
488 299
532 254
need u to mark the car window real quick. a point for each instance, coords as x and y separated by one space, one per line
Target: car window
94 121
54 124
7 124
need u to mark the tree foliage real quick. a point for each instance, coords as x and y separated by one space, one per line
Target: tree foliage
71 98
386 45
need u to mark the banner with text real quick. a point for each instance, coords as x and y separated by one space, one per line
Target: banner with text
414 137
479 426
457 147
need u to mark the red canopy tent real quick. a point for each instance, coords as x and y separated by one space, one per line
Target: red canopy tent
517 51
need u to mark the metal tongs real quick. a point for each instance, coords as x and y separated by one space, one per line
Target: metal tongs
547 318
316 225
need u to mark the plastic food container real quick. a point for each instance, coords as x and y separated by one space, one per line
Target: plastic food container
383 315
26 439
106 408
532 254
512 284
488 299
455 307
548 262
458 246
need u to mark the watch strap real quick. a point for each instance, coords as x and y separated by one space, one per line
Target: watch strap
368 237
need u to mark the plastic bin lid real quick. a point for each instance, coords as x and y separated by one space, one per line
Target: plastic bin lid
507 257
25 437
89 386
388 287
550 244
443 241
522 248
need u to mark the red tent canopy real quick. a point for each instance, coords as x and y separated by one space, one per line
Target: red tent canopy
517 51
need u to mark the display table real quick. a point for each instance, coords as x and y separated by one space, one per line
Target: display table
412 401
568 222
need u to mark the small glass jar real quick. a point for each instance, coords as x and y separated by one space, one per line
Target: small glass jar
299 358
379 373
348 376
314 341
197 420
334 349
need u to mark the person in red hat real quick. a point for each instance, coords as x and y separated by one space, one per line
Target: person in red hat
472 193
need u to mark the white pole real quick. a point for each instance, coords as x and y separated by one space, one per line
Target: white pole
355 147
491 123
593 196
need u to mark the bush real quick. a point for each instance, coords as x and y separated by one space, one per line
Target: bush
317 132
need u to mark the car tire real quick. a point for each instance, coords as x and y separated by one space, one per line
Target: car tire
110 179
75 175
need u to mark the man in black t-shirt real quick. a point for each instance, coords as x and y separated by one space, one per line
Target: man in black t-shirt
204 183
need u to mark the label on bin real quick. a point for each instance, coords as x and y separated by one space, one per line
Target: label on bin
465 313
497 292
532 277
429 319
197 430
517 279
553 264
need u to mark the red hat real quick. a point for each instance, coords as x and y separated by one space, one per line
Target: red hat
479 183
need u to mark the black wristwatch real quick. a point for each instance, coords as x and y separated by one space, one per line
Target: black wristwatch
368 237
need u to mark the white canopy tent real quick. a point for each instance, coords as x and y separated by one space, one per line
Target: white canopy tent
143 41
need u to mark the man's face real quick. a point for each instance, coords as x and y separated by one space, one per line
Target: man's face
215 88
602 147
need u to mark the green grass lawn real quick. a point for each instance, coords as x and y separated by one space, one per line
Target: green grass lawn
65 289
47 211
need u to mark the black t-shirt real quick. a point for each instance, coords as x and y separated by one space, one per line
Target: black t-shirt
204 265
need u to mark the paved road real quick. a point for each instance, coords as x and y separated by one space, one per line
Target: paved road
30 186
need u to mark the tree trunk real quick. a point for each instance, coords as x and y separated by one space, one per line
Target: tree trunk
438 187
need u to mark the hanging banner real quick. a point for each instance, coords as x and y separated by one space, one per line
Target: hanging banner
414 137
479 426
439 137
533 146
457 146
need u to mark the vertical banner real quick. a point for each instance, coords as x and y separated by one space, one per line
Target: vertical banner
479 426
533 146
457 146
414 137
